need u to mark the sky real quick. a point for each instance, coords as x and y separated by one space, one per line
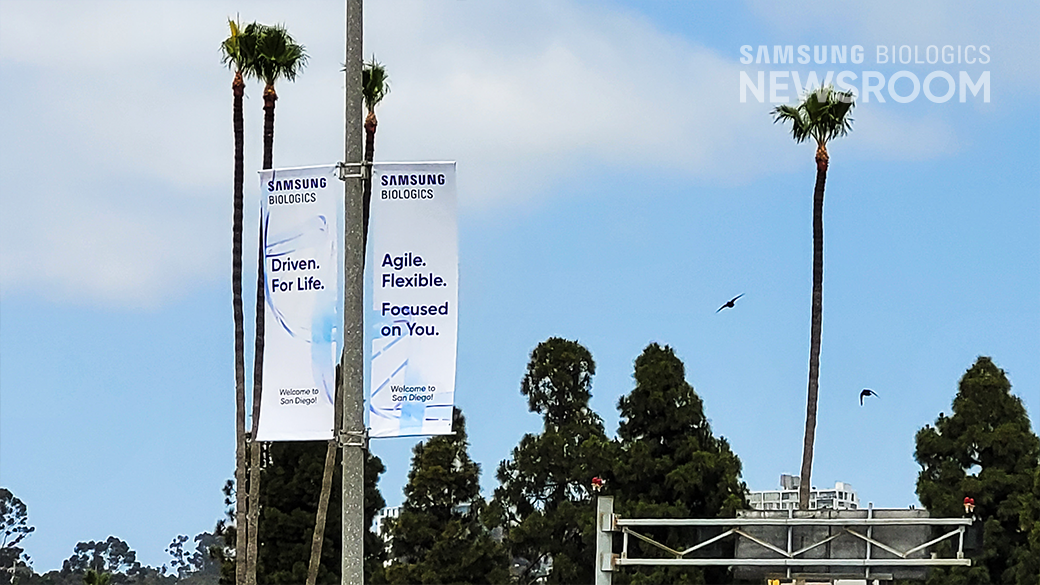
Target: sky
614 188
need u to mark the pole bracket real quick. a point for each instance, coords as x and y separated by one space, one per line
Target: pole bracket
364 170
354 439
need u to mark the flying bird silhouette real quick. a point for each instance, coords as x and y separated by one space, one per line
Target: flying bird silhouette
730 303
866 392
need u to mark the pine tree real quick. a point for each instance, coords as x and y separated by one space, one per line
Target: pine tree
375 547
544 501
289 489
1026 559
289 493
439 536
986 451
670 465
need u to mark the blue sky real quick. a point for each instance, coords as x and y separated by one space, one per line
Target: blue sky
613 189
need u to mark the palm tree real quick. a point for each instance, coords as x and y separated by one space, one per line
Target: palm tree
237 52
823 115
375 85
277 56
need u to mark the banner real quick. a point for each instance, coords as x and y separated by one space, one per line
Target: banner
301 232
413 242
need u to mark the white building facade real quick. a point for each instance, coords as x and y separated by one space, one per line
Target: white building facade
841 497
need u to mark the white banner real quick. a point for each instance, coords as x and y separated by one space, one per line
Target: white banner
301 223
413 242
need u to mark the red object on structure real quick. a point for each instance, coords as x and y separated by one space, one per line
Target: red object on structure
597 484
969 505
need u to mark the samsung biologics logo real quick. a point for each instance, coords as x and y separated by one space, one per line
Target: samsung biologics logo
942 83
300 190
410 186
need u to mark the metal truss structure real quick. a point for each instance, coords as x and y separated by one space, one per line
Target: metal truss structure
827 544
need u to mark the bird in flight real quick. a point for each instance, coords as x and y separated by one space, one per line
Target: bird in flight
730 303
866 392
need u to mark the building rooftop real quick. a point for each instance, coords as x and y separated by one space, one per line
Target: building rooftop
841 497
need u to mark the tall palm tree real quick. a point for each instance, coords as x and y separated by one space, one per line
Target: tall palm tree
238 50
277 56
374 87
823 115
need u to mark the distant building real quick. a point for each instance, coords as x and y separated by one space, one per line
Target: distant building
388 513
841 497
392 512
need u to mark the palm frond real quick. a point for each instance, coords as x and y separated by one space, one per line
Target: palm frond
277 54
237 49
823 115
375 83
794 115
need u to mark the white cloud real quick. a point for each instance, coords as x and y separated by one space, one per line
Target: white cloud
522 95
1009 29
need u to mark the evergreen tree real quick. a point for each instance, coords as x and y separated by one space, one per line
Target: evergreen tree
289 489
1027 559
113 557
227 531
14 527
375 547
289 493
986 451
544 501
670 465
194 567
439 536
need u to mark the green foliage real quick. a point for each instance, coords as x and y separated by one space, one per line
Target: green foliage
112 556
822 115
670 465
183 561
987 451
375 547
227 532
93 577
14 519
289 490
544 502
190 567
375 84
277 54
1026 559
439 536
110 561
14 527
239 50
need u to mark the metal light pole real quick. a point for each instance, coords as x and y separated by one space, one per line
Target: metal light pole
351 380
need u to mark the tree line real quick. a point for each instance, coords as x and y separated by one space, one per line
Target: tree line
111 561
537 526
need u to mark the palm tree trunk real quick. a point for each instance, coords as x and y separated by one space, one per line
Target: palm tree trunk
270 96
370 148
323 506
258 355
816 327
238 89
